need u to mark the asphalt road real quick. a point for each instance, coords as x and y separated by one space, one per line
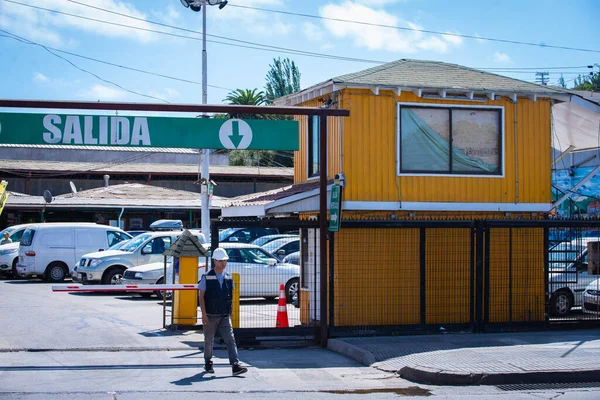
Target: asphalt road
106 346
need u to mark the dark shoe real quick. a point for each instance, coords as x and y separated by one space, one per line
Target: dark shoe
208 367
236 369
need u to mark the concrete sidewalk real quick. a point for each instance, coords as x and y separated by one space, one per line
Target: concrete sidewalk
485 359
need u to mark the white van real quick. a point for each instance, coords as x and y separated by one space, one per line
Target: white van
50 250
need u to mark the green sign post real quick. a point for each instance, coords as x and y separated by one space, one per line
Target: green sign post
334 209
142 131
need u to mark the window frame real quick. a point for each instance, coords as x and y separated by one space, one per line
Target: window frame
310 174
501 140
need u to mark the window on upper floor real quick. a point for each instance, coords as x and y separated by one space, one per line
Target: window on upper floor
450 140
313 147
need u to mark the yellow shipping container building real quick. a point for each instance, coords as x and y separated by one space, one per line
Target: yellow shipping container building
428 141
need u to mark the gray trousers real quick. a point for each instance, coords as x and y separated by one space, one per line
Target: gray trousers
222 323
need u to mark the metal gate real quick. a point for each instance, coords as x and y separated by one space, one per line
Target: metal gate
262 272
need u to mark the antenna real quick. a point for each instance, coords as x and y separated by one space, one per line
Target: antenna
47 196
73 188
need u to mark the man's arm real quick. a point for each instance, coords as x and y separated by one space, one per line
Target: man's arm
202 306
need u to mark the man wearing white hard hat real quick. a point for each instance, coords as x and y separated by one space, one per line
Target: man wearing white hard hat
215 294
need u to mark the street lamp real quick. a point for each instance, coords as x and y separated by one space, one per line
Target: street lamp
196 5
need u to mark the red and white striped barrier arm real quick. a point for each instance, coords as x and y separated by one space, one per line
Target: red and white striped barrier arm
122 288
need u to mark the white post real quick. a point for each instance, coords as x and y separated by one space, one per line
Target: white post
205 211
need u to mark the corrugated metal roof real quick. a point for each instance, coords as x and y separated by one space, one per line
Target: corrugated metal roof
272 195
103 148
132 168
125 195
440 75
409 74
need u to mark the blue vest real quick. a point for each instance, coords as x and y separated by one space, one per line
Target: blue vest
218 300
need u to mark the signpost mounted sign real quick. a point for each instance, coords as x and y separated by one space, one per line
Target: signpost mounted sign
142 131
334 208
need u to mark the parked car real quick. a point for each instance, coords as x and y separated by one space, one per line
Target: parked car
244 235
260 272
591 298
569 276
9 253
135 233
108 267
115 246
261 241
282 247
48 250
292 258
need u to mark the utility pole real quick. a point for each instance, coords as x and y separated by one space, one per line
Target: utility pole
542 78
197 5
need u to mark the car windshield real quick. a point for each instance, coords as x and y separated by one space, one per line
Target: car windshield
563 255
275 244
133 244
225 233
10 229
119 245
257 256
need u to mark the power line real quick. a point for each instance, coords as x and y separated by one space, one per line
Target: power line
30 42
251 45
417 30
16 37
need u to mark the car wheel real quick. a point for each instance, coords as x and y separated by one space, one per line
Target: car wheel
14 272
560 303
113 277
291 288
56 272
160 294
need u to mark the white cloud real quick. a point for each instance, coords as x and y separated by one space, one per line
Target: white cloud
501 58
56 29
102 92
312 32
254 22
451 37
379 37
168 94
38 77
169 16
378 3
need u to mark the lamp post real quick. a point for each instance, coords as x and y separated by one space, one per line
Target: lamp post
196 5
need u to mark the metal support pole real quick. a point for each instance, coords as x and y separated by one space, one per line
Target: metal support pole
323 228
205 210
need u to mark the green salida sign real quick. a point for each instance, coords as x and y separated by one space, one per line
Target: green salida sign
143 131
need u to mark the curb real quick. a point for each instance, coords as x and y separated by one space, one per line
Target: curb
433 376
356 353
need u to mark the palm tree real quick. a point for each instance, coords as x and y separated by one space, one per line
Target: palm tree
246 97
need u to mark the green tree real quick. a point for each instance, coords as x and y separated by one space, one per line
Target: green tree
283 78
561 82
246 97
587 82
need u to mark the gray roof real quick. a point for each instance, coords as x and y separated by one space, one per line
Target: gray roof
54 167
439 75
594 97
130 195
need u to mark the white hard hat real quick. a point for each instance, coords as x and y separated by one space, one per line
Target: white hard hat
220 254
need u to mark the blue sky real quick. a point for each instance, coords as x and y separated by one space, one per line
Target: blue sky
31 72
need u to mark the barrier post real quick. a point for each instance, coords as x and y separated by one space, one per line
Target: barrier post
185 303
235 317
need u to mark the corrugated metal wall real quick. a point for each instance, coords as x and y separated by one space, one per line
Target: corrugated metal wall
369 156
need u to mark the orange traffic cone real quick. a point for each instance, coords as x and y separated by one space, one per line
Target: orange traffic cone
282 319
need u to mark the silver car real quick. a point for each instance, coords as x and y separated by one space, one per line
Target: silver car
260 272
107 267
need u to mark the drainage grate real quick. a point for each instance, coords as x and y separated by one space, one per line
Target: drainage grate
547 386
